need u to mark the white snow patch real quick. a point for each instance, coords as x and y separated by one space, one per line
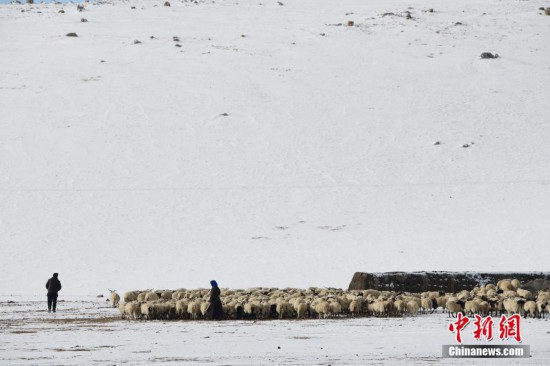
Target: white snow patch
127 174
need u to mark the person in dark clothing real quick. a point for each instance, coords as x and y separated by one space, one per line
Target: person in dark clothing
215 310
54 286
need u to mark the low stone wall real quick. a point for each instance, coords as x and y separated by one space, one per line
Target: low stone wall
435 281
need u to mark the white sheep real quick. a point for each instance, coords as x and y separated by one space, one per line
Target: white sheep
388 304
323 309
542 307
204 308
513 305
228 310
344 302
335 308
166 295
122 309
181 308
355 307
115 298
194 308
515 284
399 307
471 307
441 301
151 296
412 307
543 295
249 309
378 308
165 310
504 285
526 294
283 308
530 308
130 296
427 304
374 293
146 310
454 306
301 309
484 307
132 310
178 295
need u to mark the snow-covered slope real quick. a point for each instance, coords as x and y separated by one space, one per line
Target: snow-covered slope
274 147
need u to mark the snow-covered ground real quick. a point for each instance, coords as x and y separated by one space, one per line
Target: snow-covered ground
274 147
88 332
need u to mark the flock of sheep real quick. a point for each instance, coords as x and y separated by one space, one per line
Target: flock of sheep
266 303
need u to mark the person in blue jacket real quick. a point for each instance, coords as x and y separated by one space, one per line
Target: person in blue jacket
215 310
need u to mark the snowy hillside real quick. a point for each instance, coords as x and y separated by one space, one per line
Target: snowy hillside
273 146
